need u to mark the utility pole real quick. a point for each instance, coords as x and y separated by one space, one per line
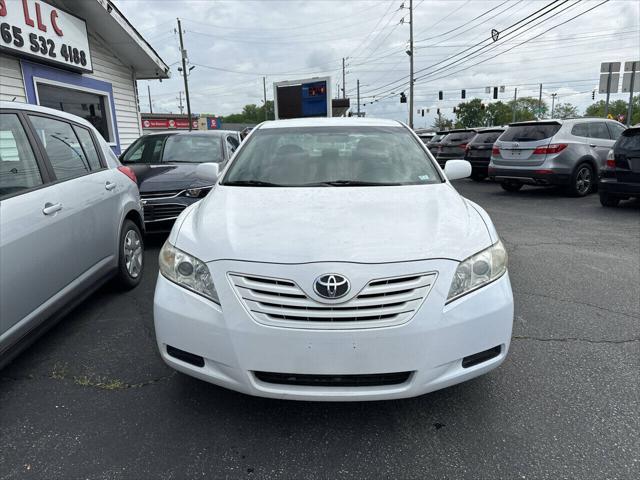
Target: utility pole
410 63
183 54
606 104
515 99
553 102
149 93
344 85
358 83
180 106
634 66
540 103
264 88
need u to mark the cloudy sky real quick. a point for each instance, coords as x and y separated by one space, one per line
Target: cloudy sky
234 43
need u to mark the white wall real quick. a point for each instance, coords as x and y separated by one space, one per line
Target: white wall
11 84
106 68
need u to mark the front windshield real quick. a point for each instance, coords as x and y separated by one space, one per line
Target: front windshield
193 149
332 156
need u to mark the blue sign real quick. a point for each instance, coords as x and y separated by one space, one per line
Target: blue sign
314 99
214 123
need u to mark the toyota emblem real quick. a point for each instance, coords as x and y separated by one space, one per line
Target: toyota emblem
331 285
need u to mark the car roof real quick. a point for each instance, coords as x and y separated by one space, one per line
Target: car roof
461 130
329 122
49 111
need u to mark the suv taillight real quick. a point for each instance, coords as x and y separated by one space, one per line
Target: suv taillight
550 149
611 161
463 146
495 151
128 171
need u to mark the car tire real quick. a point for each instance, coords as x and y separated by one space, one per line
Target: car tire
511 185
607 200
582 180
478 177
130 256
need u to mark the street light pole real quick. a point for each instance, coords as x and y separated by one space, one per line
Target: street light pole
344 85
410 63
515 100
183 54
264 88
149 93
630 109
553 102
358 83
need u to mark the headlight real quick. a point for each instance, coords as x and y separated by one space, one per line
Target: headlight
187 271
200 192
478 270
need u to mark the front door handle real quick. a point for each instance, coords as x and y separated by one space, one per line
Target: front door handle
51 208
592 145
109 186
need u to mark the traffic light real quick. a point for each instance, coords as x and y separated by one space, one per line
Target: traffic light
423 112
440 95
403 98
464 94
438 111
495 92
593 95
454 109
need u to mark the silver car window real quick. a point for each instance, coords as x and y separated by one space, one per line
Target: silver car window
615 130
18 167
88 147
62 146
580 130
598 130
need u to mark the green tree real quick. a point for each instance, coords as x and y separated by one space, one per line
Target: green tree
470 114
498 113
528 108
442 123
251 114
565 110
619 107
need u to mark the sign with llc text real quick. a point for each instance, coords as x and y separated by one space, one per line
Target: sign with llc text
37 30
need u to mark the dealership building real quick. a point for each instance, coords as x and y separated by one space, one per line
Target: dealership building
83 57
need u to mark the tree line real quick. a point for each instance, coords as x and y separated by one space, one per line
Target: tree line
474 114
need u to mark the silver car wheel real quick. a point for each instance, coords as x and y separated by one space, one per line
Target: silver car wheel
133 253
583 180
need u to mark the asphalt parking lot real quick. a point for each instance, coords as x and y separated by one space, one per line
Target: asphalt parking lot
92 399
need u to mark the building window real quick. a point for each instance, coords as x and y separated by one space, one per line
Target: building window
88 105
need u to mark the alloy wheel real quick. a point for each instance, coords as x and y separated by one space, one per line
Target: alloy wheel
583 180
133 253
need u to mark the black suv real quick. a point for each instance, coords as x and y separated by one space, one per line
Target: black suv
620 178
478 152
453 145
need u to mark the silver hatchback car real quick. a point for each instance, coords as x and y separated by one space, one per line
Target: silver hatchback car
70 218
553 152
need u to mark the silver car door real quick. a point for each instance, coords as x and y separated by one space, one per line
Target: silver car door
600 140
84 195
35 233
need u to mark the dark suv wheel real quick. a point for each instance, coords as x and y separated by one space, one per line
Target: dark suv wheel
582 180
511 185
607 200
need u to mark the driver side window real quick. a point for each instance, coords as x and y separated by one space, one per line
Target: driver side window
146 150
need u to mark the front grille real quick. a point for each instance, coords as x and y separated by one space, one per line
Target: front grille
161 194
303 380
164 211
381 302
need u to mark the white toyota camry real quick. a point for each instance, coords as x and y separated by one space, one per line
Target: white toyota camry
334 260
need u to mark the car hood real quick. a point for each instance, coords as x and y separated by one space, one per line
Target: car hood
158 178
341 224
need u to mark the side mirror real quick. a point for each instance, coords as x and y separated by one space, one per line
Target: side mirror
455 169
208 172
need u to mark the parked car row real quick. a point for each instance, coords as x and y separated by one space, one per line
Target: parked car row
577 154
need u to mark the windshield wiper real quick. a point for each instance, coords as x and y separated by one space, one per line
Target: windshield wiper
251 183
350 183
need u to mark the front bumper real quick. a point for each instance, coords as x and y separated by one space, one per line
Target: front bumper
431 345
530 175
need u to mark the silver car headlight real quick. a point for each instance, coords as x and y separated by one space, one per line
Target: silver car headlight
187 271
478 270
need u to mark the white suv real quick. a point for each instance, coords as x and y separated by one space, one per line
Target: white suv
334 260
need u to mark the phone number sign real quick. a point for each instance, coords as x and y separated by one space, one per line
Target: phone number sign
38 30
